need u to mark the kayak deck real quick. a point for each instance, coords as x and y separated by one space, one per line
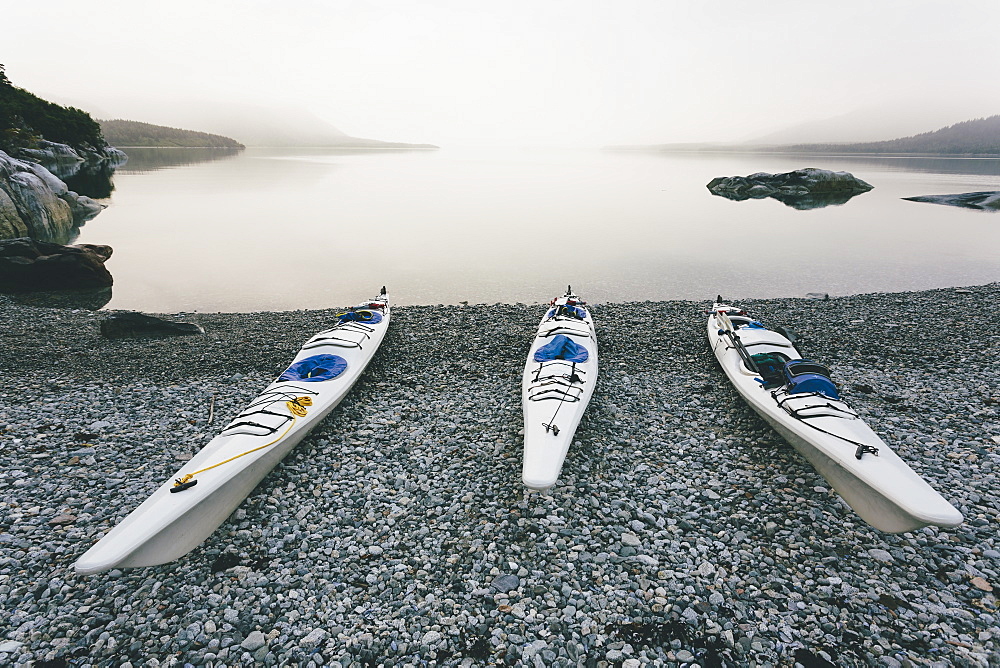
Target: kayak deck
880 487
189 507
558 381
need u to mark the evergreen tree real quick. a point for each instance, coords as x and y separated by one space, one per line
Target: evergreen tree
25 118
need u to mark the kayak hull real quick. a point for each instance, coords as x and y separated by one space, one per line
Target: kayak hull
879 486
882 510
171 523
172 541
555 393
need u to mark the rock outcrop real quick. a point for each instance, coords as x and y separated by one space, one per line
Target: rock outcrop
28 265
65 161
132 325
802 189
983 201
35 203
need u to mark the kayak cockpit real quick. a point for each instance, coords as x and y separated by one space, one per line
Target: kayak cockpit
744 321
316 368
353 329
561 347
566 311
770 366
797 376
805 376
565 319
557 375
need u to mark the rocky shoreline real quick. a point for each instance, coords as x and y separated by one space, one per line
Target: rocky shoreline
36 203
683 530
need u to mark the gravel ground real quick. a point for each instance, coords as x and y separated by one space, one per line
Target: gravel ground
682 532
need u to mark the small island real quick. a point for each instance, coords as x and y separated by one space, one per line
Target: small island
808 188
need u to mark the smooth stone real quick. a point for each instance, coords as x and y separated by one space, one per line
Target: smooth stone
505 583
254 641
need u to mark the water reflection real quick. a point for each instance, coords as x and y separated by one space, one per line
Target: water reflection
142 160
800 202
272 229
930 165
91 179
981 166
93 299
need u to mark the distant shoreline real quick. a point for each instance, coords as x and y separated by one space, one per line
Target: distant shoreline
975 138
781 151
352 147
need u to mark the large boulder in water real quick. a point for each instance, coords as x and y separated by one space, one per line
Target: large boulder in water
27 265
808 188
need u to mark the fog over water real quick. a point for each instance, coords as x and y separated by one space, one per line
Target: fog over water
279 229
517 73
520 96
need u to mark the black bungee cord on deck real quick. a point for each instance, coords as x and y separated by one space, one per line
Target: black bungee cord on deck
862 448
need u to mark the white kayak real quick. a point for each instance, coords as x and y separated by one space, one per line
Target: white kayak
208 488
798 399
559 378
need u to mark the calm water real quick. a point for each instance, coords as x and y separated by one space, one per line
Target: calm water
270 229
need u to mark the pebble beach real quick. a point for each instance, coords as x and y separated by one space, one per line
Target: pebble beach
682 532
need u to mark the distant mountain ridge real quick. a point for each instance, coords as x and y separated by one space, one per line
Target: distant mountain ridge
120 132
980 136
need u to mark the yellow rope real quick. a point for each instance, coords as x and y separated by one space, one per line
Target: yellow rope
298 408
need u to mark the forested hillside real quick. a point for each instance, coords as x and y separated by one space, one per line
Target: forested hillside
120 132
26 118
980 137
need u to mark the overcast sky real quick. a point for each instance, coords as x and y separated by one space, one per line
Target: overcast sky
562 72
